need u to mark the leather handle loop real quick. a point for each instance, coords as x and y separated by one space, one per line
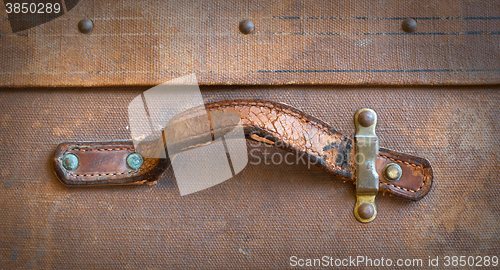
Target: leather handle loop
273 123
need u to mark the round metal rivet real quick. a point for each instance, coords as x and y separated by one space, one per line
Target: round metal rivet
392 172
85 26
366 211
247 27
134 161
70 162
409 25
366 118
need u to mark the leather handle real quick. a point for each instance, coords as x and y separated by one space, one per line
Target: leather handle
273 123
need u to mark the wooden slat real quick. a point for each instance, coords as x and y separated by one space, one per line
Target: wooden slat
295 42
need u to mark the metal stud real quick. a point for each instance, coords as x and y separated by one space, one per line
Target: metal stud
392 172
366 118
409 25
366 211
246 27
134 161
70 162
85 26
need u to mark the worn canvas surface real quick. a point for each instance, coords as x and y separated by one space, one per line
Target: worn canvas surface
307 42
265 214
435 92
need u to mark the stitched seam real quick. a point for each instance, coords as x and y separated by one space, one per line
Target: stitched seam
405 162
97 150
101 174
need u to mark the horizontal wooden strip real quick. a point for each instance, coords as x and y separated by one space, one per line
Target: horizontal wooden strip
315 42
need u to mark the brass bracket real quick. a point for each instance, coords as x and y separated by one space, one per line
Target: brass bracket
367 182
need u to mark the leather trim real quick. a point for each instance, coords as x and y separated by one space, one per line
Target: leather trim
104 163
274 123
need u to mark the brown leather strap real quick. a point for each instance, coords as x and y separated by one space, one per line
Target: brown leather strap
104 163
273 123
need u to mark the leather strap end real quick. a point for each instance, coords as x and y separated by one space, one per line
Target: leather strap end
104 163
416 179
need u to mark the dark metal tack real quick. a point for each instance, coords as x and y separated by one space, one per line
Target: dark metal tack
85 26
246 27
70 162
409 25
366 211
366 118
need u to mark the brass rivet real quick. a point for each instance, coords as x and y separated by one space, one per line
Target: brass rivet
70 162
366 118
409 25
392 172
246 27
366 211
134 161
85 26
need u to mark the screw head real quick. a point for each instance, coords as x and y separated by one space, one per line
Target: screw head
70 162
409 25
134 161
85 26
366 118
246 27
366 211
393 172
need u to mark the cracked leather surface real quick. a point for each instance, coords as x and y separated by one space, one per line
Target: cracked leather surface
273 123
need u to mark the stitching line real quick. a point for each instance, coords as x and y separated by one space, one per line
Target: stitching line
96 150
